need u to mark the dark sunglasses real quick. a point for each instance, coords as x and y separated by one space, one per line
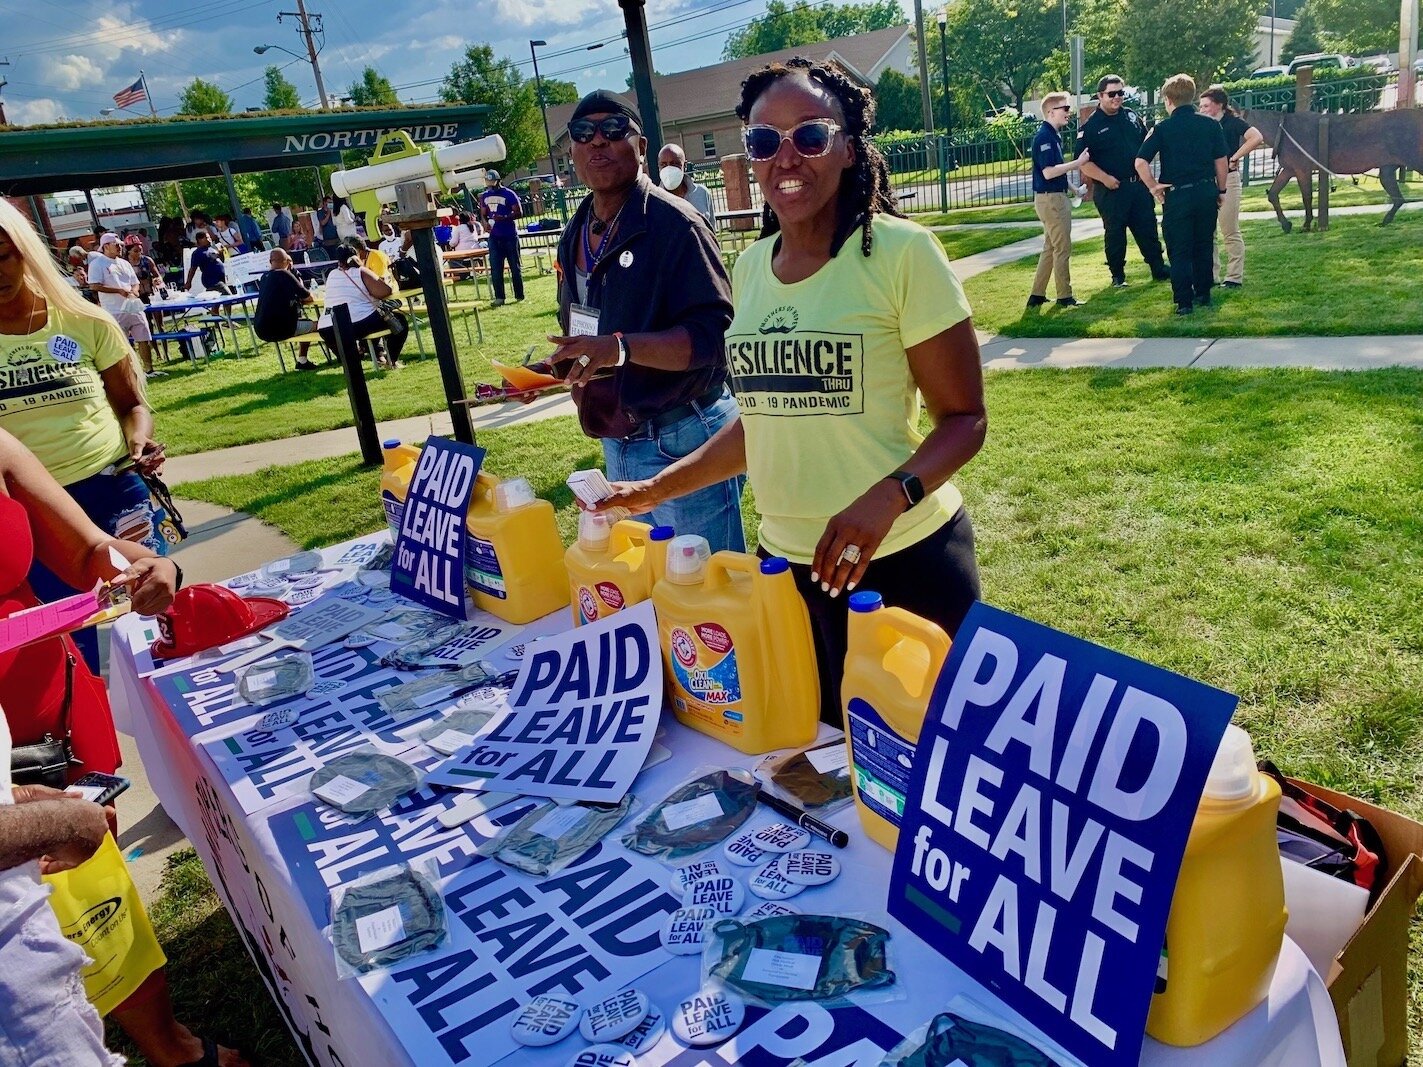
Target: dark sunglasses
613 128
1116 93
810 139
1061 107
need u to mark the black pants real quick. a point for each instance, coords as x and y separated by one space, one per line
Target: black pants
505 250
1129 207
1188 224
373 324
936 579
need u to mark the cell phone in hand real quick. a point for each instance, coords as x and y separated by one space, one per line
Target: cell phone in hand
100 788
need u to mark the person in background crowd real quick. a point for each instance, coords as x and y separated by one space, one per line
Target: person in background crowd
281 227
444 228
644 303
116 282
229 237
206 263
90 425
42 528
500 207
373 259
852 494
77 262
149 276
346 225
354 286
1052 202
672 171
199 223
303 233
326 226
280 299
391 241
1111 136
1240 140
469 234
251 232
1191 188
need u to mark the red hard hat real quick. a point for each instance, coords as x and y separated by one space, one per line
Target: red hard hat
204 616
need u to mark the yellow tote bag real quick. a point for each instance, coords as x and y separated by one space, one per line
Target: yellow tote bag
99 909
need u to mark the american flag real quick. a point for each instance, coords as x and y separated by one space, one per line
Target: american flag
136 93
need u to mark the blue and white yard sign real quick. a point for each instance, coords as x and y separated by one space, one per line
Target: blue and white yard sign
428 567
1054 787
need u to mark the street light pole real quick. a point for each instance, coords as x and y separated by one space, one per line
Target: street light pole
307 34
543 109
946 145
640 52
923 67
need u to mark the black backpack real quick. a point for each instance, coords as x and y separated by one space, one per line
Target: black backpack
407 274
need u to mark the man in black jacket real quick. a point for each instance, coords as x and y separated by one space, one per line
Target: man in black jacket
644 303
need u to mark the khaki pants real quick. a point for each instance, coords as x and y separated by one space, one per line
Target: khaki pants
1230 230
1054 211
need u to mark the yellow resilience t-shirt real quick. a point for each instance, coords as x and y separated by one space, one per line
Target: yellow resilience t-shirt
52 398
822 378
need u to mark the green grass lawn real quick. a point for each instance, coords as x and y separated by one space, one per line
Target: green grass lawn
961 243
1356 278
1259 530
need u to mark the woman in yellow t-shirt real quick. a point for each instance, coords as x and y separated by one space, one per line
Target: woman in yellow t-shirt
846 314
72 391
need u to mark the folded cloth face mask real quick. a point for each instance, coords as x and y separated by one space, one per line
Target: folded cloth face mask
551 837
953 1039
765 959
811 787
381 921
363 781
695 815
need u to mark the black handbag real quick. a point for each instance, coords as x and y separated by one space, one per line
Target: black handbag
47 761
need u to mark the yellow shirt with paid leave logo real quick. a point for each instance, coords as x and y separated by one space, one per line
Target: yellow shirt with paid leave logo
822 378
52 396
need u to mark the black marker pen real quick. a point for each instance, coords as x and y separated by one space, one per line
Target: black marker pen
806 821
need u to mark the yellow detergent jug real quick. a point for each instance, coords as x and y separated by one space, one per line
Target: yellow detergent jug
657 544
607 566
892 660
398 468
1228 914
513 557
737 645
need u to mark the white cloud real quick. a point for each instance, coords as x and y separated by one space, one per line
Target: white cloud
549 12
36 112
72 72
439 44
587 75
119 32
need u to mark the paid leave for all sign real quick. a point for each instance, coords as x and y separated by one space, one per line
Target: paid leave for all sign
1054 789
429 553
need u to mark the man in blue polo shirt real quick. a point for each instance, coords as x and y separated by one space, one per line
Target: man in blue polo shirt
500 206
1052 202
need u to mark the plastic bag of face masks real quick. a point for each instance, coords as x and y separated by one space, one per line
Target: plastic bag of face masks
968 1033
433 690
834 960
552 836
387 916
275 679
701 812
816 777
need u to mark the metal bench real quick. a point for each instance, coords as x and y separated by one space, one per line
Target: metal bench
185 340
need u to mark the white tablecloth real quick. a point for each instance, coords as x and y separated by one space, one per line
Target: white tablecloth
337 1022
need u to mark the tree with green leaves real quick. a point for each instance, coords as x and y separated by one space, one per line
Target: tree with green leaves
372 89
557 91
280 95
1304 38
898 103
479 78
1211 40
786 25
1001 46
1359 26
204 98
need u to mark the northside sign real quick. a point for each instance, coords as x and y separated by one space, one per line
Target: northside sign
1055 783
340 140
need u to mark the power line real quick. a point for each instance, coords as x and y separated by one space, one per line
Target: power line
136 29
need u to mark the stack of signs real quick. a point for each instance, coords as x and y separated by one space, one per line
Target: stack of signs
428 567
581 717
1054 788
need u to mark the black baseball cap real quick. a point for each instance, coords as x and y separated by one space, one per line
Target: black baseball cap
604 102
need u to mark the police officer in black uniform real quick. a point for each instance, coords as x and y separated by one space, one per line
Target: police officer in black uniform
1111 135
1192 186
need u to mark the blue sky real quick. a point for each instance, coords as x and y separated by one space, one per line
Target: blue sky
68 59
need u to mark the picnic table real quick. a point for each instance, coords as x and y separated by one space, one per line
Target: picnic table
240 795
216 305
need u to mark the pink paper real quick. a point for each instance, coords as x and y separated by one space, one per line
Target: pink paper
47 620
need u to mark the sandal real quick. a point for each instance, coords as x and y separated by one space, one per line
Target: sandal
209 1055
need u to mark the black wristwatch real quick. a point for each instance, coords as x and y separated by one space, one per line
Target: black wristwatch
179 583
910 483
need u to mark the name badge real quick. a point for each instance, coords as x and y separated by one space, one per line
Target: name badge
582 321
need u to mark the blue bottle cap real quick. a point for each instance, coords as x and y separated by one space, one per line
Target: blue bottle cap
774 565
866 600
662 533
390 442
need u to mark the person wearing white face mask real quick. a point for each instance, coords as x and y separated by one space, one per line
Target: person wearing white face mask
672 170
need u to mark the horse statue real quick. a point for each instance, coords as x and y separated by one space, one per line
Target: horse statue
1386 140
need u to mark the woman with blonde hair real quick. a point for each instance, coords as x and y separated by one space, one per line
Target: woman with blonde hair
72 391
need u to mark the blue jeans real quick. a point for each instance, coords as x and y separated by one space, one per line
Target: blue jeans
504 250
713 512
120 505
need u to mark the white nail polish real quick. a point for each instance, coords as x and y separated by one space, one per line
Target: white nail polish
814 577
850 588
825 587
835 592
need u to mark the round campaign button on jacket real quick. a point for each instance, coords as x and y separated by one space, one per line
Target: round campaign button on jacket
545 1020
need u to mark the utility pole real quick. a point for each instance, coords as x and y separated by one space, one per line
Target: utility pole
640 51
3 82
923 67
1407 53
307 33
